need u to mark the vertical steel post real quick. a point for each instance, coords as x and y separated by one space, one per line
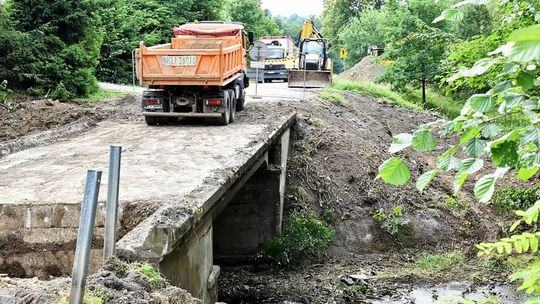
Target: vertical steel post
84 236
256 81
133 69
112 202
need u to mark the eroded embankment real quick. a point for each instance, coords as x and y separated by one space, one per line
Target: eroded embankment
336 152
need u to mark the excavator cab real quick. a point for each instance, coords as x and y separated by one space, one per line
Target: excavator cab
314 67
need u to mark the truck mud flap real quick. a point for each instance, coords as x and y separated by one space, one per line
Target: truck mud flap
309 79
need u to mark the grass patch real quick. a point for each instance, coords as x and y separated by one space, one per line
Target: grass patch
90 297
151 273
332 95
376 90
445 105
438 262
304 239
102 94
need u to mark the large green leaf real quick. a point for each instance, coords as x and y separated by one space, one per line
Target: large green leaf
451 14
394 171
400 142
471 165
445 160
505 153
475 147
531 33
425 179
525 174
491 131
481 102
524 80
532 135
480 67
424 141
484 188
475 2
525 51
459 180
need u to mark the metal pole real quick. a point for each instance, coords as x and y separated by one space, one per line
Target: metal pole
84 237
133 69
256 81
112 202
305 73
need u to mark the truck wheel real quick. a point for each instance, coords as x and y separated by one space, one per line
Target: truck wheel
240 102
150 120
232 98
226 115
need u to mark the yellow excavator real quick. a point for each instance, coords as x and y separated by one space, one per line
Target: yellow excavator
314 68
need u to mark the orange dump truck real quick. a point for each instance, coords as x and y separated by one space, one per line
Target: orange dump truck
201 73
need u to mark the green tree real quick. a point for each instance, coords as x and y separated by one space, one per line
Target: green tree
337 13
53 48
127 22
418 47
255 19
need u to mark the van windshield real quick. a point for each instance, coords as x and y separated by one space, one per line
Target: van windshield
275 54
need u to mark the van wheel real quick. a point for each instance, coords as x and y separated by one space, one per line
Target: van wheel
150 120
232 98
226 115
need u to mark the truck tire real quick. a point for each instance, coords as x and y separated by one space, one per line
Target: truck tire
241 100
151 120
226 115
232 98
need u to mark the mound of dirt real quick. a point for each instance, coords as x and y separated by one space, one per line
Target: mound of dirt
37 122
116 284
366 70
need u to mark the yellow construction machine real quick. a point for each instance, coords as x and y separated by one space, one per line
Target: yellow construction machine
314 68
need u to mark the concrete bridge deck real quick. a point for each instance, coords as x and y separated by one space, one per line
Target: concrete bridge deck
175 183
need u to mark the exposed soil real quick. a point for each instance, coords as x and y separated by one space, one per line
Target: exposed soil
38 122
366 70
334 159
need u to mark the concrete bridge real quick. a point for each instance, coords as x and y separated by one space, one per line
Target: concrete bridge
187 194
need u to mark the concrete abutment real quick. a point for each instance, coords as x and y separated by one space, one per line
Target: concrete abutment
250 214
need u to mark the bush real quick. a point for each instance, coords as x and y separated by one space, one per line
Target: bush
391 222
510 199
304 239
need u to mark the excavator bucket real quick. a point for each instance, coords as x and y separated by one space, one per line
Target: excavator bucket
309 79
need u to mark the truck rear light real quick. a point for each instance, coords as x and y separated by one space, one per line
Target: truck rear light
151 101
214 102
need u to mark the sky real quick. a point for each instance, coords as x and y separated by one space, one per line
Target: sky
288 7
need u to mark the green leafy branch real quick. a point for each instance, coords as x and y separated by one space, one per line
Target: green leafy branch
479 130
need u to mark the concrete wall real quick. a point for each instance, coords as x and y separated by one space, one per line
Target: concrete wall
39 239
254 215
191 267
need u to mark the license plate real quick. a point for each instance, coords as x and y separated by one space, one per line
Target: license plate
153 107
179 60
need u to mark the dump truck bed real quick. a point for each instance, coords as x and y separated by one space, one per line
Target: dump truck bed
194 57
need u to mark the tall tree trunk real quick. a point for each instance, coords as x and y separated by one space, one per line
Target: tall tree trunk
423 93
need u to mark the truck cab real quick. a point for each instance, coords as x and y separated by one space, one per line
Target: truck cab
280 57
